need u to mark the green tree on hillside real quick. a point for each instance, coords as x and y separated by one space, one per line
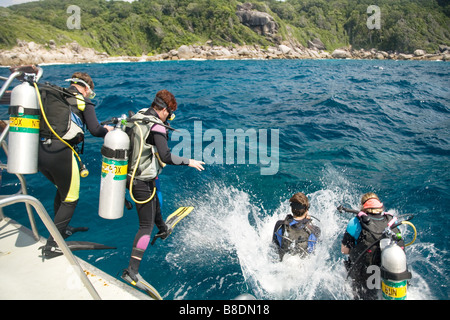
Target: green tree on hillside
145 26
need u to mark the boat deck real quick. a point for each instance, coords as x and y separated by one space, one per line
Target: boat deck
24 275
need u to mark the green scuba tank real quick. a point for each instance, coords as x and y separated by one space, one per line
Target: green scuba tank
394 272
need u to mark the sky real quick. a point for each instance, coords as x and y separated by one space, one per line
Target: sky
6 3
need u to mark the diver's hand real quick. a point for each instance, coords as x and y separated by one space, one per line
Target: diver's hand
109 128
196 164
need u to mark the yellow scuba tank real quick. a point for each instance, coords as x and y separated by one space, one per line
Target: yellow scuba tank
114 174
23 140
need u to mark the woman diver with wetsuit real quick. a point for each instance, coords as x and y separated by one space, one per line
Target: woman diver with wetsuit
57 162
149 212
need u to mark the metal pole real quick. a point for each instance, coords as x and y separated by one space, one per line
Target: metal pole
48 222
8 82
23 186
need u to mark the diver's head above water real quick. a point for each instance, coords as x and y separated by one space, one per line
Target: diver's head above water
165 105
299 205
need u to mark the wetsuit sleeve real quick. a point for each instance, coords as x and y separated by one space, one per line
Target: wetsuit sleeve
348 241
352 233
92 123
160 141
277 233
277 239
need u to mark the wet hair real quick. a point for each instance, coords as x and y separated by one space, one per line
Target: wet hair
299 204
366 197
164 99
85 77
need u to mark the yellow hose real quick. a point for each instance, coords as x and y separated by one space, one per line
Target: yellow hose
135 169
415 232
84 173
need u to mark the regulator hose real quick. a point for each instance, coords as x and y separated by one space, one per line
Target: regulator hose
135 169
83 171
375 242
415 232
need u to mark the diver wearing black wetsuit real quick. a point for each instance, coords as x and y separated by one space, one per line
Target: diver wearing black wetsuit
150 213
58 164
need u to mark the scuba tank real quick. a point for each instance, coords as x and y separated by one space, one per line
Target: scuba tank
23 140
114 174
115 153
394 272
393 269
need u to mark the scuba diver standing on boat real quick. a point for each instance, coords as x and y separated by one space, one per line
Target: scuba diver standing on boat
362 232
296 234
149 154
56 160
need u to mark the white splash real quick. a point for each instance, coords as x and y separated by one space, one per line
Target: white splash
226 223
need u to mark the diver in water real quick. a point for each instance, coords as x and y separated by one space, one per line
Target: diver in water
155 152
296 234
56 161
362 231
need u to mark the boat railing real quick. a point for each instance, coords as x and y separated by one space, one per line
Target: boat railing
22 197
23 186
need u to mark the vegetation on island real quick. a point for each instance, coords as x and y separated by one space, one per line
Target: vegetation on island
154 26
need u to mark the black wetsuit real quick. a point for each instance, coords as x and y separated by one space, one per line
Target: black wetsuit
150 213
58 164
305 237
359 235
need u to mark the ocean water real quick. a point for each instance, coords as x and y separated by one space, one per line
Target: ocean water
344 128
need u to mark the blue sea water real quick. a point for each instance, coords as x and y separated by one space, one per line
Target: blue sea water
345 128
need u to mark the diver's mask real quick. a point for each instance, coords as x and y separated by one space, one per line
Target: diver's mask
171 114
76 80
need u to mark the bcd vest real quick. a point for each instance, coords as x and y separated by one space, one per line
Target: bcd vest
372 228
150 166
299 237
63 110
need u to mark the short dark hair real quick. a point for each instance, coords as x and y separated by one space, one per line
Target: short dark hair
299 204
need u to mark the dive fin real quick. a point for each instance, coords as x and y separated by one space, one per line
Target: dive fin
176 217
86 245
171 221
49 251
141 284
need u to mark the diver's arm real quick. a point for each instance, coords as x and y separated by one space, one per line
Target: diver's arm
166 156
347 243
92 124
344 249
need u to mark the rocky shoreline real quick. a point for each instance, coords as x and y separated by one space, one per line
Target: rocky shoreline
32 53
259 22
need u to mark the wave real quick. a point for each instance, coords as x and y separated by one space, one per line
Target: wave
229 229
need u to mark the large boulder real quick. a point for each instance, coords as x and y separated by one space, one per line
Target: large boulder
316 44
284 49
260 22
444 49
184 52
419 53
341 54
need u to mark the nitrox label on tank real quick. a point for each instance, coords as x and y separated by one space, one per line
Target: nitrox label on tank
25 123
394 290
118 168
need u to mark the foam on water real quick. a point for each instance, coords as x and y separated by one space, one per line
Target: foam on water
227 227
382 125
